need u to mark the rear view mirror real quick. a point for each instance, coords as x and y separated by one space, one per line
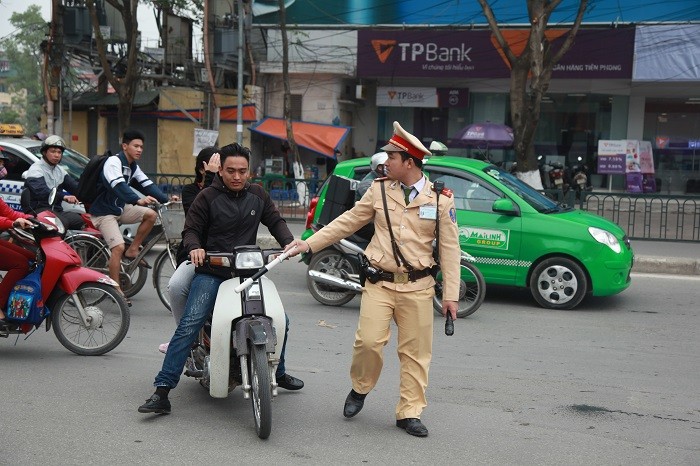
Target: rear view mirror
504 206
52 196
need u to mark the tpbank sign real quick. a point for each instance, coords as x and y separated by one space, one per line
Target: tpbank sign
484 237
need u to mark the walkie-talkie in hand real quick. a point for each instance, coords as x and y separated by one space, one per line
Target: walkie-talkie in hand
449 324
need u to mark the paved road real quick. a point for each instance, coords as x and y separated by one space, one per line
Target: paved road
614 382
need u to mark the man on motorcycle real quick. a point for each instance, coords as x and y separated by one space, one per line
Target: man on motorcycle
377 170
224 215
46 174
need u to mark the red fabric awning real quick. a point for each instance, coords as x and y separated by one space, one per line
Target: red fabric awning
324 139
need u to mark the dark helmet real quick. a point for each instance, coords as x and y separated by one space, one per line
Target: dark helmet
53 141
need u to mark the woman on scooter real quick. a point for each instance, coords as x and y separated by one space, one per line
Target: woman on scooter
13 259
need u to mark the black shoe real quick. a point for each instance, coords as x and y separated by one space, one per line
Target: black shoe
413 426
289 383
155 404
353 403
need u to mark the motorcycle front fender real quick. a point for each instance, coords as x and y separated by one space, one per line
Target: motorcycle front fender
227 309
73 277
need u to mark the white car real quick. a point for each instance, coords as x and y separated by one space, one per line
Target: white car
21 153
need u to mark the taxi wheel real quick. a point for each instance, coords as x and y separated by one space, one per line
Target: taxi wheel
558 283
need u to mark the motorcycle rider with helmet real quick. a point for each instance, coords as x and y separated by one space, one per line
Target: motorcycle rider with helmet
46 174
377 171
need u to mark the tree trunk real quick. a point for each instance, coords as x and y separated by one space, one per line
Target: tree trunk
531 73
126 85
285 79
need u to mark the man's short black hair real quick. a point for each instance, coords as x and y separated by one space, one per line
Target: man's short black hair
416 161
131 134
230 150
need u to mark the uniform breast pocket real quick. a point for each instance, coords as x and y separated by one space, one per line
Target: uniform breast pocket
380 216
425 225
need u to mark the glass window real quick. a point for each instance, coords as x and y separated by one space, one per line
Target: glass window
15 166
469 193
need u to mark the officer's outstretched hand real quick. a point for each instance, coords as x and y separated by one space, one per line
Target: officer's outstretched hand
297 246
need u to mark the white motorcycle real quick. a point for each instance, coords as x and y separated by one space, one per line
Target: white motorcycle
241 343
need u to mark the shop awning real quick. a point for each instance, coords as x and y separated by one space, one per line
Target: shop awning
324 139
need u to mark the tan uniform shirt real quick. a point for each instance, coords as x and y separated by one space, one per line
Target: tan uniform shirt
414 230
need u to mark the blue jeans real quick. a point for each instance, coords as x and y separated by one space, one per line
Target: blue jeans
200 304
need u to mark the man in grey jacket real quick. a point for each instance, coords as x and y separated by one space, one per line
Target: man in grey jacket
46 174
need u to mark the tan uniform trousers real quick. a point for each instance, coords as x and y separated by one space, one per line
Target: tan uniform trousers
413 313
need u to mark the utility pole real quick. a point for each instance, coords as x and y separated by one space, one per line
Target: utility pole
54 70
239 100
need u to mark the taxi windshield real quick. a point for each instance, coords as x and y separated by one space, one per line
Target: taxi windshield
536 199
73 162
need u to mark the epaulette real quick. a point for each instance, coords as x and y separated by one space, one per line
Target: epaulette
381 178
446 192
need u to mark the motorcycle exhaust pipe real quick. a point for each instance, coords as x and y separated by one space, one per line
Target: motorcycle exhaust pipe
327 279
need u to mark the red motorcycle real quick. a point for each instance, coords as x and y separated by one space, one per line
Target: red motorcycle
88 314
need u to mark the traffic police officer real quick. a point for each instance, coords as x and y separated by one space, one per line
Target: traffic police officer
405 288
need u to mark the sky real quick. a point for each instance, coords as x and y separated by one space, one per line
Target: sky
147 24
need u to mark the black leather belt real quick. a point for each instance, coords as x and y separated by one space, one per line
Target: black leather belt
403 277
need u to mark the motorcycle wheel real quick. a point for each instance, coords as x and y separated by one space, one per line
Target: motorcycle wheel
260 389
558 283
108 320
95 255
472 290
163 270
332 262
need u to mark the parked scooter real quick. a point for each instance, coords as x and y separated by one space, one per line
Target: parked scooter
241 343
89 316
333 278
580 179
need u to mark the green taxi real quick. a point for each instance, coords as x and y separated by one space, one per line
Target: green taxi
519 237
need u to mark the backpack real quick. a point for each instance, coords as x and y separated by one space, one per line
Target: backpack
90 179
25 304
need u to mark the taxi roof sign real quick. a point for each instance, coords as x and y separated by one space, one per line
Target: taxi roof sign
11 129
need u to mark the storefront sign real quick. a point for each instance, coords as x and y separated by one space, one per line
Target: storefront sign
453 97
407 97
203 138
596 54
667 53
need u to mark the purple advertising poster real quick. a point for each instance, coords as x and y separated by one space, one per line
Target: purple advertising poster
599 53
634 183
611 164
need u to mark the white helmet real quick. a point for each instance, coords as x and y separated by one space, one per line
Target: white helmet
53 141
378 159
438 148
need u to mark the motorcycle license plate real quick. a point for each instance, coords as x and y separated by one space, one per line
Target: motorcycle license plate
558 181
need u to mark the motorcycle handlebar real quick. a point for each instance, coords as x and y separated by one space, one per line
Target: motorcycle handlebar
249 281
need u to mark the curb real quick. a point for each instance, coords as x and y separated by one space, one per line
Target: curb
666 265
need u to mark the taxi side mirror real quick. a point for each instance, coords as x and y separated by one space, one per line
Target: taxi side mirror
504 206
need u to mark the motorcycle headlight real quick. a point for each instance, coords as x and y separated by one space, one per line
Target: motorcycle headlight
249 260
605 237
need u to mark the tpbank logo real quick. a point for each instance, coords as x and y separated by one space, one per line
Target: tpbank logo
497 239
383 48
